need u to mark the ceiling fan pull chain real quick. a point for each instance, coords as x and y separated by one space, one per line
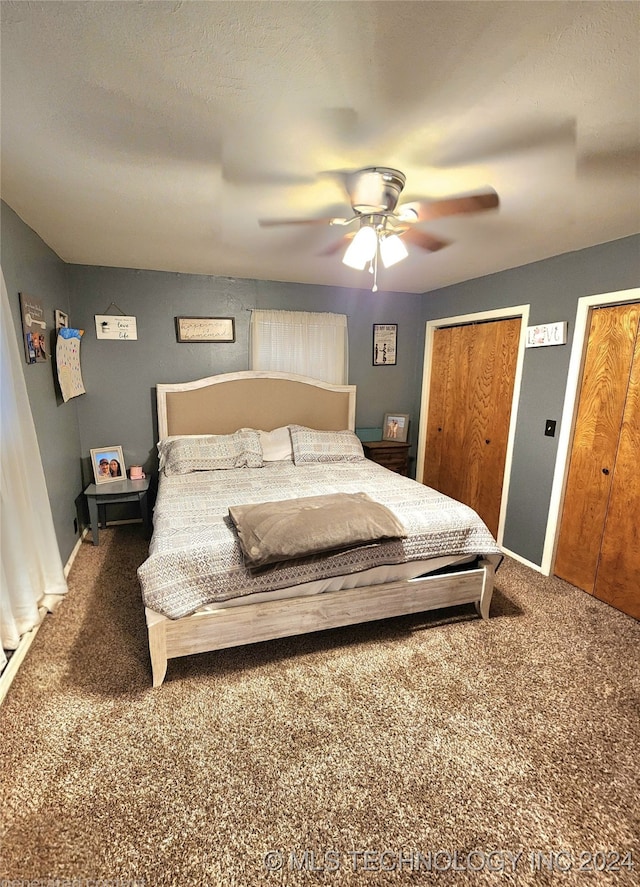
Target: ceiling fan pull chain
374 288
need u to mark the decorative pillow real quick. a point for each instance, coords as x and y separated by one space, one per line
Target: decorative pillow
209 452
276 444
251 447
324 446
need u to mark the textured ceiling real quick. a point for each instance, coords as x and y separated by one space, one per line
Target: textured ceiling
155 134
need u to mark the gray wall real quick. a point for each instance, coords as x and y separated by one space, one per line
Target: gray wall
120 376
552 289
29 266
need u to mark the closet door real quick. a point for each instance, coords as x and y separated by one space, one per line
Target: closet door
472 379
601 496
618 576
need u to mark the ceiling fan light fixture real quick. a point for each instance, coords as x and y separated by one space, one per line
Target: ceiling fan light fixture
362 248
375 189
392 250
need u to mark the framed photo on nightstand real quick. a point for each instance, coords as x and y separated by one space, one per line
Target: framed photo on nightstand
395 427
108 464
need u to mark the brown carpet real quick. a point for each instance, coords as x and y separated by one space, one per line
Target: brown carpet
427 741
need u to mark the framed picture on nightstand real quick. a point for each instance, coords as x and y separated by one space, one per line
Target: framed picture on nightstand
395 427
108 464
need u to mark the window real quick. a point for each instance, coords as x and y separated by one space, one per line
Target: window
305 343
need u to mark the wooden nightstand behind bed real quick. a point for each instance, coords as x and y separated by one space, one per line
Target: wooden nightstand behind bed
390 453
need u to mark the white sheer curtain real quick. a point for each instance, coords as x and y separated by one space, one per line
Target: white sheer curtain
31 565
303 342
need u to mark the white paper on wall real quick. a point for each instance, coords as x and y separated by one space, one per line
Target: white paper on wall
68 362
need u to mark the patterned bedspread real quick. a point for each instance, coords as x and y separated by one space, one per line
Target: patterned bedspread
195 557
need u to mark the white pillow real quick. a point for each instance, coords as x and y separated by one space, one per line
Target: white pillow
276 445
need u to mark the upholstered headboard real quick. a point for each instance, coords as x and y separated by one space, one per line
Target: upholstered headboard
260 399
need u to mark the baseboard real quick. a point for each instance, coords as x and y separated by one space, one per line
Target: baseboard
122 523
73 555
523 560
12 666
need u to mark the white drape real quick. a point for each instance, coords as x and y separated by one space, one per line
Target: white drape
31 564
303 342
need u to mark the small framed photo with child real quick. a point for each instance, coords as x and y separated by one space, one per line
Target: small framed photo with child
108 464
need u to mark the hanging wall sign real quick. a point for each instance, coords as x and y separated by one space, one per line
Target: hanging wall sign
116 326
33 328
205 329
547 334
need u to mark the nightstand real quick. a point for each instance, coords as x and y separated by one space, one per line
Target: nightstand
390 453
112 493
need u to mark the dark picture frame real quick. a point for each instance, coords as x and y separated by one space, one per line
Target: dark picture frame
205 329
34 329
395 427
385 344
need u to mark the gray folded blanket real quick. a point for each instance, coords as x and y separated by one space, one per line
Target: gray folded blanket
270 532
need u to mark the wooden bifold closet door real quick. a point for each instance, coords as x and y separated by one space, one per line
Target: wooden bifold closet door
599 542
472 377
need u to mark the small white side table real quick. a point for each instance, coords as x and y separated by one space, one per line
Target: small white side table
112 493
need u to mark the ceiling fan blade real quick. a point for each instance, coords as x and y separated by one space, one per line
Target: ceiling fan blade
616 161
337 245
238 175
451 206
270 223
497 142
424 240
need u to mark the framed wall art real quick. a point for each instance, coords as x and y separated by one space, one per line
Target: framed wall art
62 319
205 329
385 336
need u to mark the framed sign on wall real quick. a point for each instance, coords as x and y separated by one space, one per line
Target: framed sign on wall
385 336
205 329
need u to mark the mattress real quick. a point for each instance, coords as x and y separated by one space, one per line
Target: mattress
195 558
374 576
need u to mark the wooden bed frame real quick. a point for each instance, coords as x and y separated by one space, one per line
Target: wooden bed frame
268 400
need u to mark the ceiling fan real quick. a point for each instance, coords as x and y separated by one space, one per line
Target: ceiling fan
374 193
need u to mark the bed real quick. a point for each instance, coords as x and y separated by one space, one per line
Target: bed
228 444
